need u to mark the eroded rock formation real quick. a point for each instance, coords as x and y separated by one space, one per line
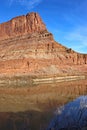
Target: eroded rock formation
26 47
22 25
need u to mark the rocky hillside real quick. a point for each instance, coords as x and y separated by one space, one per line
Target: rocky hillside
22 25
26 47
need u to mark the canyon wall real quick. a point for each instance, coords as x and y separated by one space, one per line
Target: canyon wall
26 47
21 25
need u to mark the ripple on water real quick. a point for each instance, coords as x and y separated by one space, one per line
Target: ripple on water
72 116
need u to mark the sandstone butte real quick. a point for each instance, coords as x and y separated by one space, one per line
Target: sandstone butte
26 47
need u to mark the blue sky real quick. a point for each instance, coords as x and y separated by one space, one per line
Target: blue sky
66 19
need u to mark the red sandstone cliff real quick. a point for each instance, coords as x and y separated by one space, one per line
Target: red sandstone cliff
22 25
27 47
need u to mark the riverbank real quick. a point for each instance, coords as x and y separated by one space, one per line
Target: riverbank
57 79
30 81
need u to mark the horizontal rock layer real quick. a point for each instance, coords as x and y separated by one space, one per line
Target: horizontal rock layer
26 47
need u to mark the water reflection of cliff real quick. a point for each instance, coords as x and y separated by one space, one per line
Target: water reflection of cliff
72 116
33 108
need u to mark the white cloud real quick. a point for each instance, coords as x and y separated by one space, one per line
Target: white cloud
29 4
77 39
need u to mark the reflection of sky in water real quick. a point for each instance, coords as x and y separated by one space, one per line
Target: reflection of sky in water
72 116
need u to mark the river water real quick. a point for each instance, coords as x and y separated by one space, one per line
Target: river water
59 106
72 116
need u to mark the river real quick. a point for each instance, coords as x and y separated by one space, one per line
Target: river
57 106
72 116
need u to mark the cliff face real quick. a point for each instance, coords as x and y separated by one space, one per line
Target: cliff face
27 47
22 25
